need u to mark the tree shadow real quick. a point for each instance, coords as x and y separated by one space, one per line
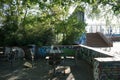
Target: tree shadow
41 71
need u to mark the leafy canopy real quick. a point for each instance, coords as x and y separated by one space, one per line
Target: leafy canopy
38 22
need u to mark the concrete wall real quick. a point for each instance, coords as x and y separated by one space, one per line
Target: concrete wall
105 66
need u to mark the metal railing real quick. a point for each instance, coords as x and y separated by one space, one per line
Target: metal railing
103 29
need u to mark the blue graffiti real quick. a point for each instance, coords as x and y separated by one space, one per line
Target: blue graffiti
44 50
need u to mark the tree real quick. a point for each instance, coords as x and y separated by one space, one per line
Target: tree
21 25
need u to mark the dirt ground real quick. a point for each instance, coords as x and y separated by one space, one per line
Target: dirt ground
42 71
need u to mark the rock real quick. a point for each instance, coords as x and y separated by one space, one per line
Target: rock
27 65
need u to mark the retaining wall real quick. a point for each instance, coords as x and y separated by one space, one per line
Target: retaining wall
105 66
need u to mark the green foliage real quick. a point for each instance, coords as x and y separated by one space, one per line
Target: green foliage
71 28
22 26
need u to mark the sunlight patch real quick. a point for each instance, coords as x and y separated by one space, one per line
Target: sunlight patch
13 78
70 77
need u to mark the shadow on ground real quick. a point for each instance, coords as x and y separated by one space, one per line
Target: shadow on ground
42 71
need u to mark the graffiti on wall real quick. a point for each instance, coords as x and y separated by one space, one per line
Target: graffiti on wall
44 50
